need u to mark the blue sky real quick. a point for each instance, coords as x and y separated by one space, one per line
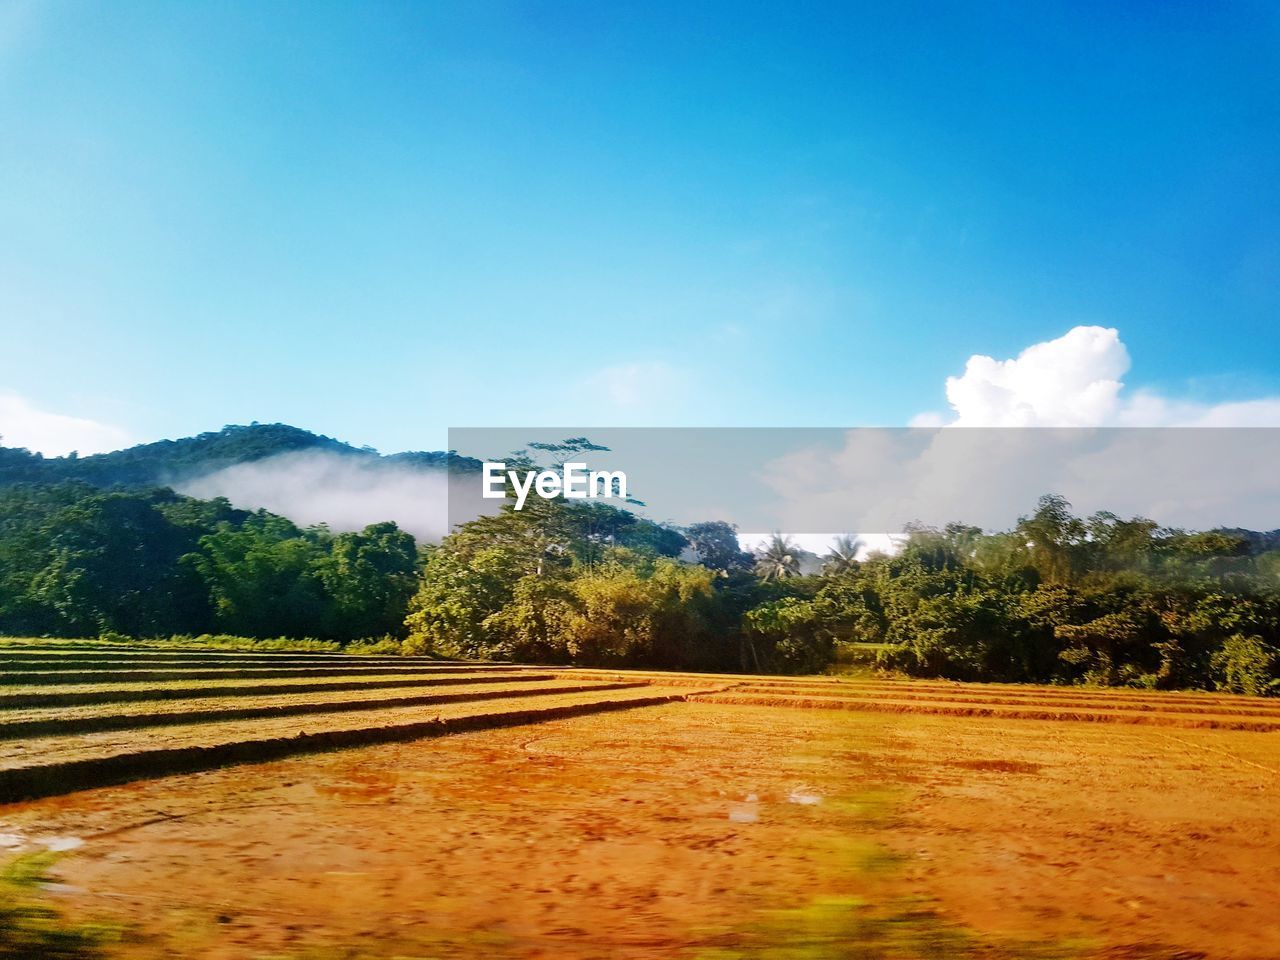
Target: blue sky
380 220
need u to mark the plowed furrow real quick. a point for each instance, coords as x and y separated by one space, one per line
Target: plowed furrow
1028 691
57 765
1245 707
55 721
139 661
136 692
105 674
1030 712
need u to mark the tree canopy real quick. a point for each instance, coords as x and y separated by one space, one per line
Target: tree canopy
1057 598
77 561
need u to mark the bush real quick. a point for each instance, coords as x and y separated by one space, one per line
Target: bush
1245 664
789 635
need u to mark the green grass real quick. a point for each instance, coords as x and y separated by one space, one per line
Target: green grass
386 646
846 924
848 928
30 928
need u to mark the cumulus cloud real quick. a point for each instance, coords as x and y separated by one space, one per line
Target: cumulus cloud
347 493
54 434
1075 381
882 479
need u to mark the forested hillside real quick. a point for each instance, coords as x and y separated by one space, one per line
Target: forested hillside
1058 598
167 462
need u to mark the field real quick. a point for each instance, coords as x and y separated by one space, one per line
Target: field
507 811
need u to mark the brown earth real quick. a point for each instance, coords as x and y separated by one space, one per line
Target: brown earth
700 830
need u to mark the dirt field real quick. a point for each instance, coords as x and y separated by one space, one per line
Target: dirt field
636 835
753 818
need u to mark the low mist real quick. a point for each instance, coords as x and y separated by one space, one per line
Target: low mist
345 492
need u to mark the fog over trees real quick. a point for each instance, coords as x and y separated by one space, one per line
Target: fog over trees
1056 598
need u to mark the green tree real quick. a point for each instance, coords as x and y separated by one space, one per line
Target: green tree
263 579
715 543
790 635
110 562
1053 536
843 556
778 559
370 577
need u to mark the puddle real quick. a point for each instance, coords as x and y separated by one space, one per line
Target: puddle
804 796
59 844
746 812
18 841
62 889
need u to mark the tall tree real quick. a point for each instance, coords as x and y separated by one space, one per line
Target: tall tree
370 577
778 559
715 543
843 555
263 579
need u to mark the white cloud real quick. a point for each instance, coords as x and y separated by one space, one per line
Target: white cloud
54 434
1075 381
882 479
729 332
1147 409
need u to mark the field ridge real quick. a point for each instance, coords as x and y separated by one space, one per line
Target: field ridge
79 716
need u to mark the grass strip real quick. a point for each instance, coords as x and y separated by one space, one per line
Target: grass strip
1005 713
25 677
53 726
141 693
65 776
1248 707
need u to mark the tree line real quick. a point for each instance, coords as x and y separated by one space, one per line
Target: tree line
79 561
1057 599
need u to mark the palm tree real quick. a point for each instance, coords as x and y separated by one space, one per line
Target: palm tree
844 554
778 559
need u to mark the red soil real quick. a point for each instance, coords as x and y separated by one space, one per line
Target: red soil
683 830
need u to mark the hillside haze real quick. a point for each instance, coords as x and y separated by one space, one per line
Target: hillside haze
309 478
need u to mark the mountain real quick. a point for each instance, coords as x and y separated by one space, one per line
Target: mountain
177 462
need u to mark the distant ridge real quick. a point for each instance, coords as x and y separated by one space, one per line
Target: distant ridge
167 462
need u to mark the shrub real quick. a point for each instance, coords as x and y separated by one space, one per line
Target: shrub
792 635
1245 664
